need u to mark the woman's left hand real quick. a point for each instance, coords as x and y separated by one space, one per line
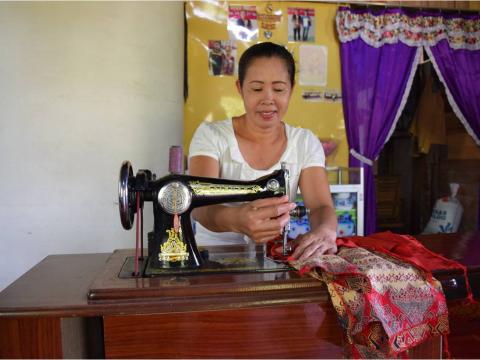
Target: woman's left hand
314 243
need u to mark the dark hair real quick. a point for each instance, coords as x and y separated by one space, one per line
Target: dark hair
268 50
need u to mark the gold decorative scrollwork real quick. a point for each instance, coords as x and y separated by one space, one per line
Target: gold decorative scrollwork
174 249
203 188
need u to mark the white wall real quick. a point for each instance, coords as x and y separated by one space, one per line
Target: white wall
83 86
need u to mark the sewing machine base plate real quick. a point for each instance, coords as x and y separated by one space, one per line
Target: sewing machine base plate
226 262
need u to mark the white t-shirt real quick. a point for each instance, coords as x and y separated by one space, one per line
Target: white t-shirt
217 140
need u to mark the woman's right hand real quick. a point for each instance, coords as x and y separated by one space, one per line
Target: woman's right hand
264 219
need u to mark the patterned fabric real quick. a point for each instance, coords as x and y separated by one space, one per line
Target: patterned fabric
392 26
384 305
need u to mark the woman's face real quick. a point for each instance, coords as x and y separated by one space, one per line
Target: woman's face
266 91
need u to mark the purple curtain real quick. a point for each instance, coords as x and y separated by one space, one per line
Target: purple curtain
459 70
375 81
379 53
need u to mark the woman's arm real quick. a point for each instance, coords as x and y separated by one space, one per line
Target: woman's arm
322 236
261 219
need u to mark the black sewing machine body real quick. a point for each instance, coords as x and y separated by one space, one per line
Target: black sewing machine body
172 243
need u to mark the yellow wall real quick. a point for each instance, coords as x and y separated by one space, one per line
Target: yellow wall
216 98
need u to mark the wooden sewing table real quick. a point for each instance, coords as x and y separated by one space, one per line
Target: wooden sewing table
77 306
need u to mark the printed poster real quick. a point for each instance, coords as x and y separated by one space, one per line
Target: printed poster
329 96
301 24
313 65
242 23
221 57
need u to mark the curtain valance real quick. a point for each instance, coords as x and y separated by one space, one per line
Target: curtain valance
379 54
422 29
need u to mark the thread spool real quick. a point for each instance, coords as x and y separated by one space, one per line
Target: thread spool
175 160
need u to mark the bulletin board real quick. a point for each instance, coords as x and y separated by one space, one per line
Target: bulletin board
218 32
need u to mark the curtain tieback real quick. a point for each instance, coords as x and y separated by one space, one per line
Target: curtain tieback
361 158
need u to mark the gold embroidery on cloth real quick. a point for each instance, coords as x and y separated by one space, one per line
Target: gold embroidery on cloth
174 249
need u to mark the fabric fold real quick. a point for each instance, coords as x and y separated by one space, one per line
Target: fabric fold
383 291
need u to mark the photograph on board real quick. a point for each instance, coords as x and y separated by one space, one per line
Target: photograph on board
221 57
242 22
301 24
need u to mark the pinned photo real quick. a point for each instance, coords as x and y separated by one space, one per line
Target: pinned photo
221 57
301 24
242 23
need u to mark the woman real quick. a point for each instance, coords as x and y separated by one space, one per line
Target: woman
254 144
228 64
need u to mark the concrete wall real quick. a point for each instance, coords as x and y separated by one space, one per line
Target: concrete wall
83 86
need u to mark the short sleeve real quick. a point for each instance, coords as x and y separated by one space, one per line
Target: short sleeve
205 142
313 151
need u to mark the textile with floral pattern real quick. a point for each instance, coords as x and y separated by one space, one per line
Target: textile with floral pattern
392 26
386 306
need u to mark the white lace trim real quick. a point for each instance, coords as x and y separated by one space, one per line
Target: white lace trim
451 100
378 30
416 61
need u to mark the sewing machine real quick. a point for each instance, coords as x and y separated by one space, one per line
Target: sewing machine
172 244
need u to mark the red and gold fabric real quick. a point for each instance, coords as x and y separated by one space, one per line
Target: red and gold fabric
383 291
